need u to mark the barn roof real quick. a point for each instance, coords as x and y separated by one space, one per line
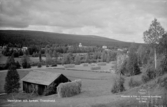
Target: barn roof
41 77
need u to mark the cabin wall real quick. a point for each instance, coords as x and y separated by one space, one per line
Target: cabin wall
33 88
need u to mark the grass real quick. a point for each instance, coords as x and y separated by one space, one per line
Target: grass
3 59
105 68
93 84
96 91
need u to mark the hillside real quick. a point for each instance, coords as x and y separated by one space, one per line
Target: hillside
26 38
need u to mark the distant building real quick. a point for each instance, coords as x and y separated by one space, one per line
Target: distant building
80 44
24 49
122 50
104 47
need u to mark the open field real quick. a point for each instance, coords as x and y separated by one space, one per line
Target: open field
104 68
96 91
3 59
93 84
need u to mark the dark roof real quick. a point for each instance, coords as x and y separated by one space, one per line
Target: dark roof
41 77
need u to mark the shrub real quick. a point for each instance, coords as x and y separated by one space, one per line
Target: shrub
102 63
39 65
95 68
18 65
54 64
26 61
145 78
163 82
85 64
118 85
69 65
133 83
148 75
69 89
163 66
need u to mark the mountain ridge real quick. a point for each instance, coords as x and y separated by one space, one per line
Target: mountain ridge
58 38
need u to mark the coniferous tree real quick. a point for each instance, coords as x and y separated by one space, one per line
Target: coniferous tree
12 80
10 61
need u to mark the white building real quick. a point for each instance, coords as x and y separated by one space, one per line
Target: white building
24 49
104 47
80 44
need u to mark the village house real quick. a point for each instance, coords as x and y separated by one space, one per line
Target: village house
104 47
24 49
80 45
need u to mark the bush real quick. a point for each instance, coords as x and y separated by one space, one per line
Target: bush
85 64
18 65
163 66
54 65
102 63
69 89
118 85
95 68
39 65
26 65
145 78
26 61
133 83
69 65
163 82
149 75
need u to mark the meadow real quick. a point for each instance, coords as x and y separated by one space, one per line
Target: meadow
96 89
93 84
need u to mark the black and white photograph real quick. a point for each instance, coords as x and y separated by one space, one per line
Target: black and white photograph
83 53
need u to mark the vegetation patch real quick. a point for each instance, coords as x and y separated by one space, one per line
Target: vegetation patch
118 85
102 63
95 68
69 65
134 83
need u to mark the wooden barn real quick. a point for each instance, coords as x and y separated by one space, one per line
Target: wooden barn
42 82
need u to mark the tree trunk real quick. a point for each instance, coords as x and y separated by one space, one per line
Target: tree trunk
155 58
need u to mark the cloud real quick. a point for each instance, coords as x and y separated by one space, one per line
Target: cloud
118 19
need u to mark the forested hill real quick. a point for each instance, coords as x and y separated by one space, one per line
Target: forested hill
27 38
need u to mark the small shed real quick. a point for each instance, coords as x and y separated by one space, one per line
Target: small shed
42 82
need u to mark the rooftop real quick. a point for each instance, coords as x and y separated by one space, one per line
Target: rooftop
41 77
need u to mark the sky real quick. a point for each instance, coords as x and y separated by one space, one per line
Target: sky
124 20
